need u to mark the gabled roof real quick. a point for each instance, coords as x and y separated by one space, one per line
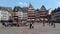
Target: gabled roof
25 9
37 10
58 9
30 5
43 8
17 8
6 8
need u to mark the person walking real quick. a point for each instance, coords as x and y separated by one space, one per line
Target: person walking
43 22
53 24
49 20
30 25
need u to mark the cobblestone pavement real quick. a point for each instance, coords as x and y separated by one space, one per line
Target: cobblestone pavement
38 29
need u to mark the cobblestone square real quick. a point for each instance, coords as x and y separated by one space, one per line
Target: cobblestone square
38 29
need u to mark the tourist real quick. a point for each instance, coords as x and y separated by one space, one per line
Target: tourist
30 25
43 22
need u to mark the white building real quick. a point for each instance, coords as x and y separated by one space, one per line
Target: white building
24 15
20 15
50 10
4 15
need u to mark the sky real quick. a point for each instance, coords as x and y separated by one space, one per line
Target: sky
35 3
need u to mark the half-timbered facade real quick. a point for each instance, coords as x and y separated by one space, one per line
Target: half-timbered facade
31 13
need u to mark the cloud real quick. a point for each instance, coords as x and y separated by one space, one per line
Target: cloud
20 3
23 3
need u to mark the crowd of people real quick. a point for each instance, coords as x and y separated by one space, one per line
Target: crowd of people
31 24
49 23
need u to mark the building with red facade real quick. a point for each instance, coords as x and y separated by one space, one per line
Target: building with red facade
17 15
43 13
31 13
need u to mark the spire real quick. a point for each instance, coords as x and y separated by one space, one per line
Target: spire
30 5
43 8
